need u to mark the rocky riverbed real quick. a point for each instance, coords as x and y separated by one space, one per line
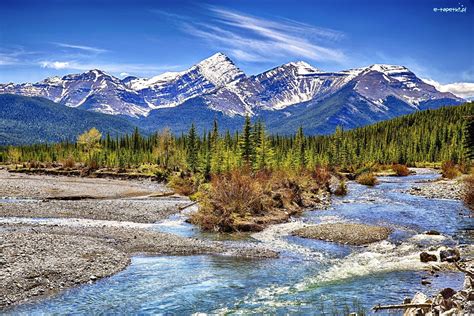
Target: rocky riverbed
439 189
345 233
49 244
21 185
134 210
38 263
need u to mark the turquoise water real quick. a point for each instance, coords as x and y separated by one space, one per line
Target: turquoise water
310 277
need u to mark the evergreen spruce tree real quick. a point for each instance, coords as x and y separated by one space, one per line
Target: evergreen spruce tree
246 143
469 136
192 149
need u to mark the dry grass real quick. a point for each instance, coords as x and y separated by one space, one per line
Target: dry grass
341 189
321 175
184 184
449 170
367 178
69 162
468 195
34 165
401 170
242 200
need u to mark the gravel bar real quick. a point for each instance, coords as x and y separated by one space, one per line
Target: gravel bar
345 233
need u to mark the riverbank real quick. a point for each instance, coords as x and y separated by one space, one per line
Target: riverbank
452 189
59 232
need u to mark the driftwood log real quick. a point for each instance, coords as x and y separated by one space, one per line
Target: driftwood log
161 194
469 273
401 306
186 206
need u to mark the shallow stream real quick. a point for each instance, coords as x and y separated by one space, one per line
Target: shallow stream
310 277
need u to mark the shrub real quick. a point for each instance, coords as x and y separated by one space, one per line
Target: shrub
367 178
468 195
243 200
185 183
69 162
14 155
229 196
93 162
362 170
341 189
401 170
449 170
34 164
321 175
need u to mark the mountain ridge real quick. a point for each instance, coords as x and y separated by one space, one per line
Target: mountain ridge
221 81
296 93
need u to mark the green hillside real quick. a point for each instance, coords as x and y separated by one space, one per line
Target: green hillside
27 120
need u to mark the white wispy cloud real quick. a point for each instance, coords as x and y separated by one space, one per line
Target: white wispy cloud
55 64
6 60
461 89
14 55
251 38
109 67
82 47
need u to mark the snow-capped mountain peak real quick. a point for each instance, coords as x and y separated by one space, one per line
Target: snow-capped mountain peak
302 68
220 85
219 69
143 83
387 69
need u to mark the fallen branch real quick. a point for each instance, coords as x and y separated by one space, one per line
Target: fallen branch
71 198
469 273
186 206
161 194
401 306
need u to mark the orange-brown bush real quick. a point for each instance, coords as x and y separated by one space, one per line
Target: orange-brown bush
242 198
321 175
229 196
468 195
341 189
449 170
367 179
184 184
34 164
69 162
401 170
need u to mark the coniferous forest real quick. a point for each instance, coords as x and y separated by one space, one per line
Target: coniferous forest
430 136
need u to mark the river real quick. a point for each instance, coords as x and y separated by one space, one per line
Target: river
310 277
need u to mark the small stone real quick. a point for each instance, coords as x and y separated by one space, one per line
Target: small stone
447 293
432 232
425 282
427 257
93 278
449 255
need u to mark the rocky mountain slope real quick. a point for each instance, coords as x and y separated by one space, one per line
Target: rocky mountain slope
290 95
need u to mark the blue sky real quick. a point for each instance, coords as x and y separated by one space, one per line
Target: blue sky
144 38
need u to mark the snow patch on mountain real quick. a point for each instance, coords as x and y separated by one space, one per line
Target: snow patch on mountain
223 87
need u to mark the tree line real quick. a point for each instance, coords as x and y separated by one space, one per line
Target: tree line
445 134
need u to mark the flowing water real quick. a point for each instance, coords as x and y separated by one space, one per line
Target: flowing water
310 277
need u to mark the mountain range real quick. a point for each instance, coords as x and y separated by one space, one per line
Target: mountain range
286 97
